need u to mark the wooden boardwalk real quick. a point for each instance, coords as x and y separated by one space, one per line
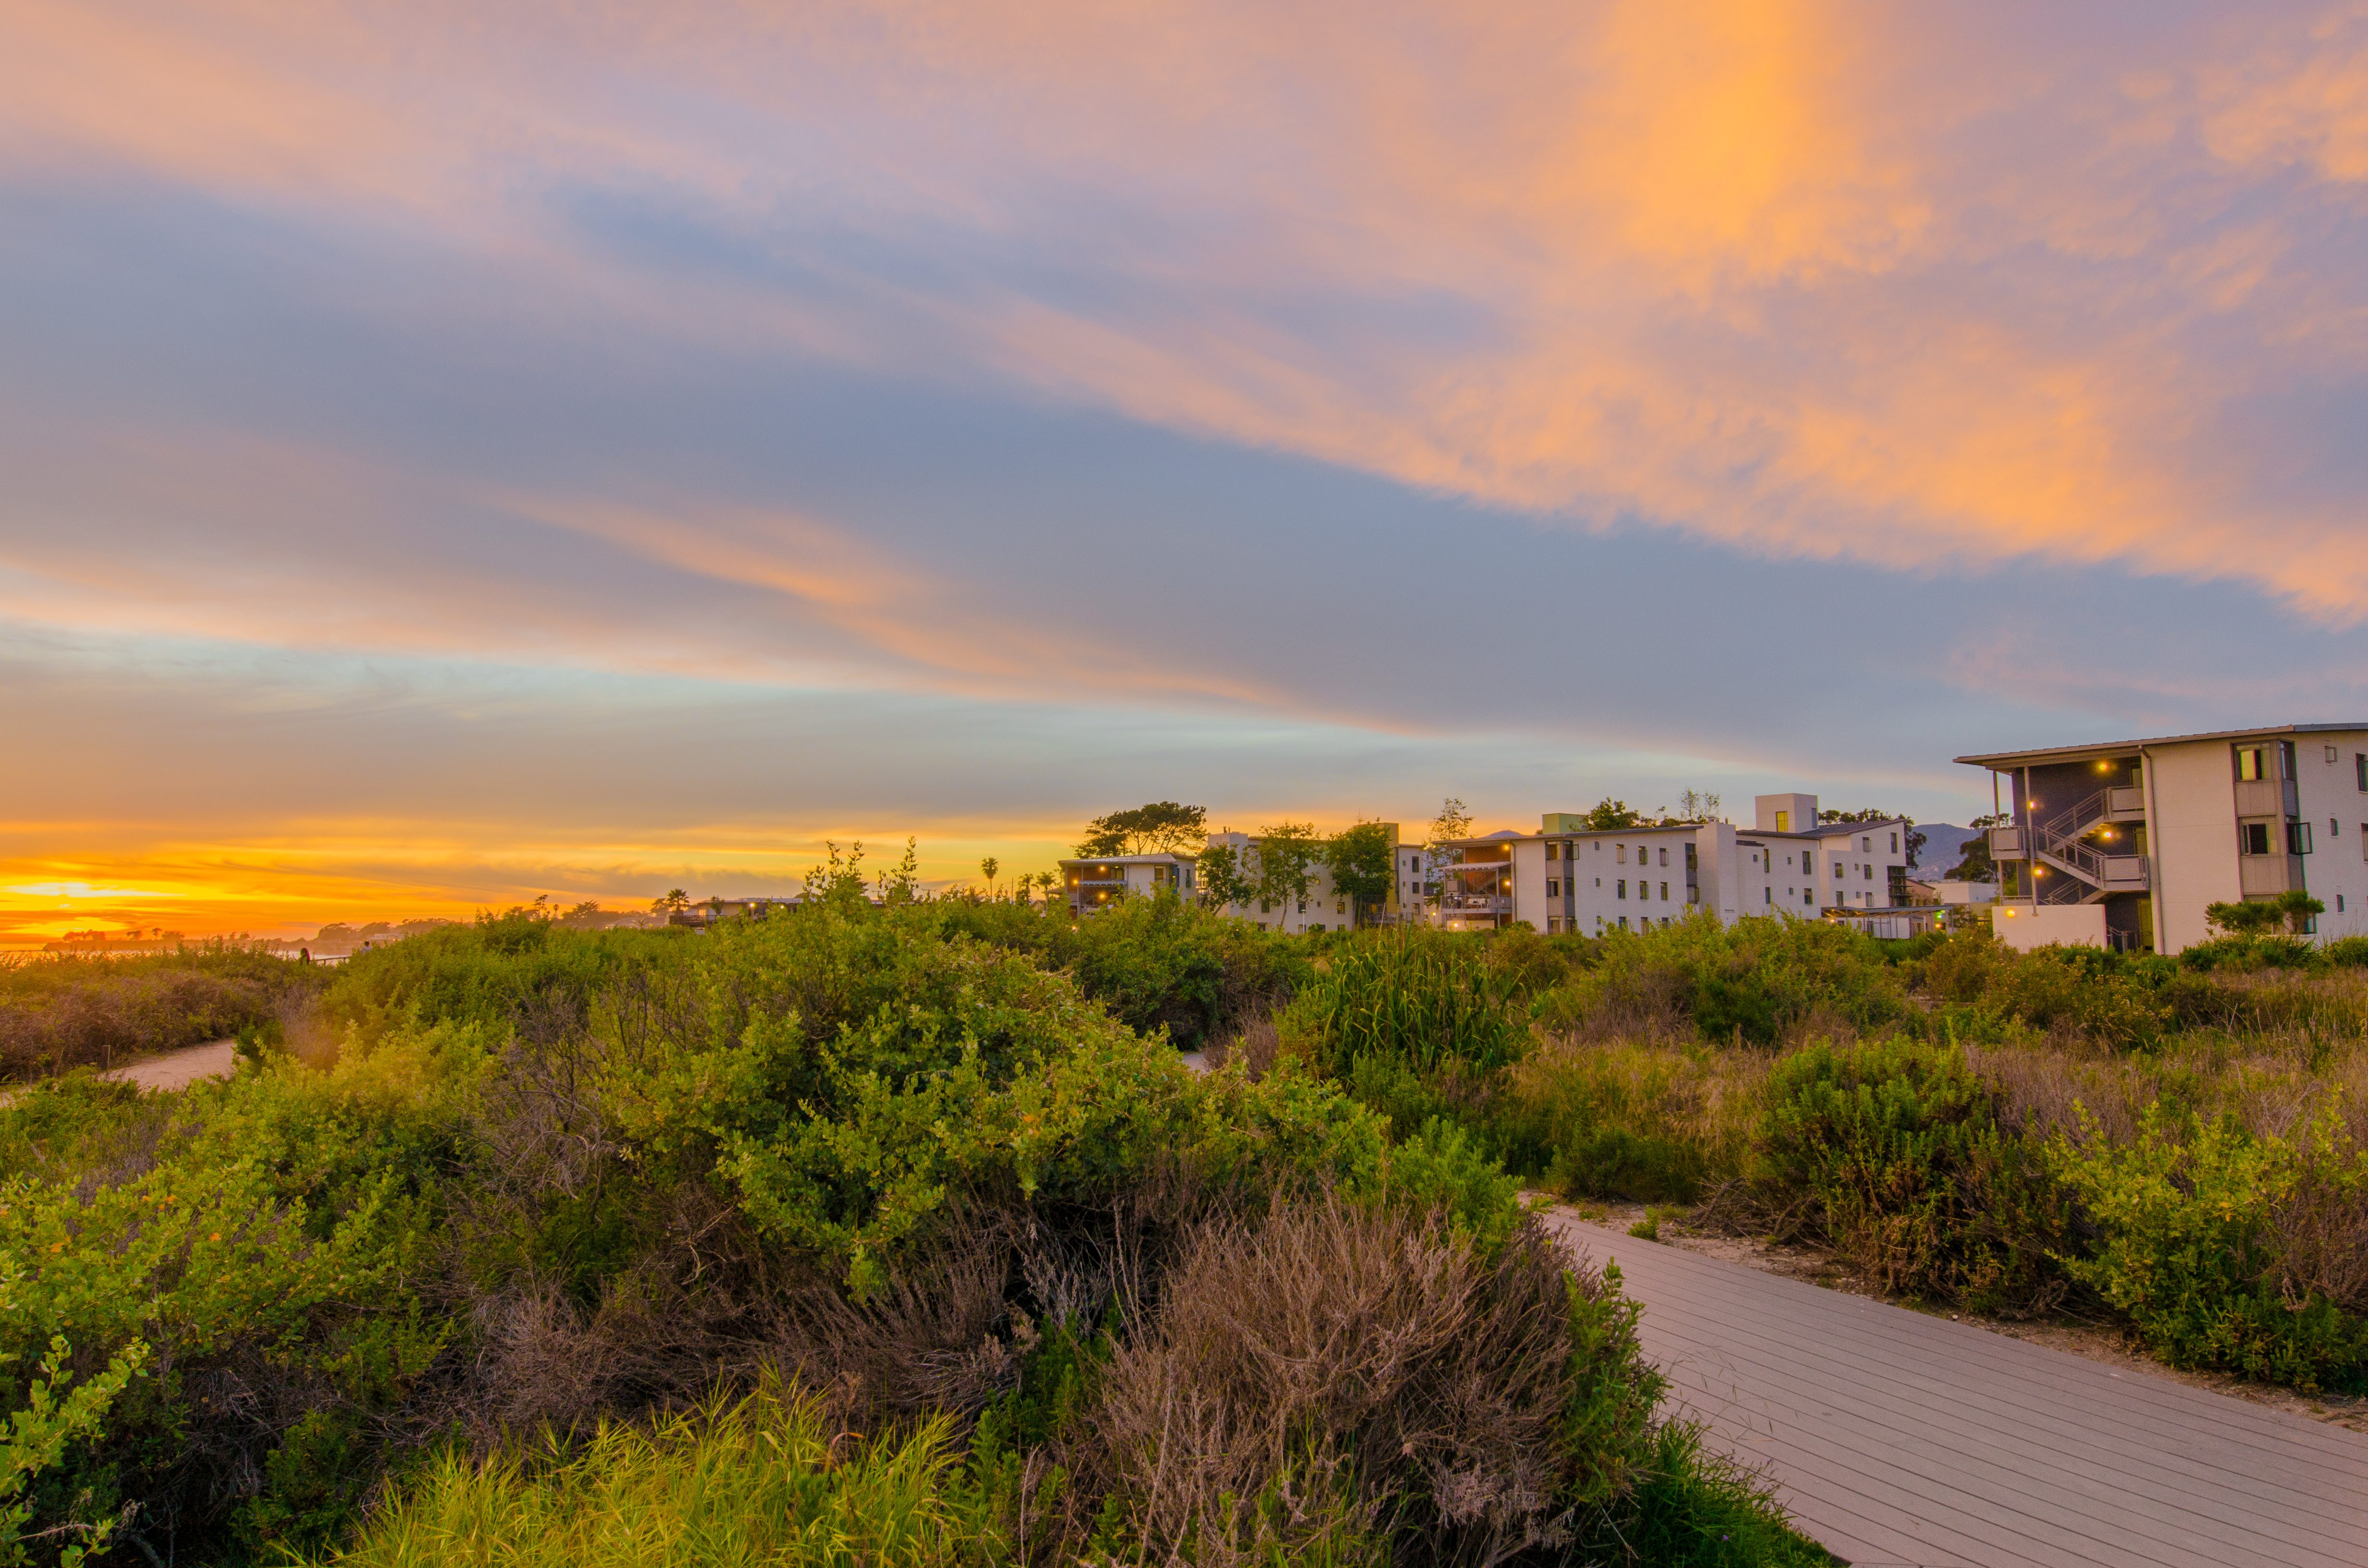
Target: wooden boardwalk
1901 1438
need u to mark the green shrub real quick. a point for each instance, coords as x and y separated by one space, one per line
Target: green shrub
731 1483
2346 952
2190 1246
1419 1000
1894 1151
1989 989
1694 1508
1156 962
1628 1120
1754 979
60 1013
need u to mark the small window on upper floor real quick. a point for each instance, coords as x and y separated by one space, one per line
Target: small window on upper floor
1784 819
1866 844
2253 837
2360 762
1895 843
2248 764
1665 857
1619 853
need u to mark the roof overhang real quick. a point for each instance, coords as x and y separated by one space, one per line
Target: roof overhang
2044 754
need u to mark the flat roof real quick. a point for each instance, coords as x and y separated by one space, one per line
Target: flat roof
2078 753
1125 859
1823 830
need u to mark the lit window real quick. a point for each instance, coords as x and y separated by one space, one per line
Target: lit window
2248 764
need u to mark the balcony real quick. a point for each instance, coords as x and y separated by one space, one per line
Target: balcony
1475 904
2268 874
2126 873
2267 798
2006 843
2124 802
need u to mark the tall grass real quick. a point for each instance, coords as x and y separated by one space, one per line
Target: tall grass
755 1481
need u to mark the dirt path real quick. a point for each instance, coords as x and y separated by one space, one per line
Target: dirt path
174 1070
179 1069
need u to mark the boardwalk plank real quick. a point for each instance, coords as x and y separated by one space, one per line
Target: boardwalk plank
1902 1438
2169 1476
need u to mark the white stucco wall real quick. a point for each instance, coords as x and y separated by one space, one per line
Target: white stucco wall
2191 835
2026 927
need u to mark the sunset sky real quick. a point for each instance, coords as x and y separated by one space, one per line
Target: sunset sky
453 453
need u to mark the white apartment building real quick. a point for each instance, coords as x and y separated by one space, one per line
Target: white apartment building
2124 843
1569 878
1325 908
1090 885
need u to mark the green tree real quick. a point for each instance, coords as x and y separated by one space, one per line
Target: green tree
1361 862
2298 909
1452 823
2245 919
986 869
674 902
1287 854
1974 864
1225 882
1611 815
1160 828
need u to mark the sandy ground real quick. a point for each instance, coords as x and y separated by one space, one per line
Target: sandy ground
2097 1342
174 1070
178 1069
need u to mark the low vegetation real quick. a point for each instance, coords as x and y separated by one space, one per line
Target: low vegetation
845 1235
901 1233
2176 1146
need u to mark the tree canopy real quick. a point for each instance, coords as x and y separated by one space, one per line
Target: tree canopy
1160 828
1360 860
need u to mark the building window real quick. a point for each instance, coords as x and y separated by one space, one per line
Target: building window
2360 763
1665 893
1866 845
2248 764
1895 843
1665 855
1784 819
1623 893
1553 925
1810 897
2253 837
2297 838
1867 870
1619 853
2339 904
1554 888
1771 895
1553 851
1838 868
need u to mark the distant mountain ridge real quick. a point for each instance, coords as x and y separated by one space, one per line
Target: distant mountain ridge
1944 845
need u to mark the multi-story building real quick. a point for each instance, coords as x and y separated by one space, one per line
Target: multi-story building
2124 844
1568 877
1092 883
1325 907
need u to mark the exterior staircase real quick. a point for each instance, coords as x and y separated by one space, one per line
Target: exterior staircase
2087 873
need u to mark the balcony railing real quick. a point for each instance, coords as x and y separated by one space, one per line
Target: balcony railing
1475 904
